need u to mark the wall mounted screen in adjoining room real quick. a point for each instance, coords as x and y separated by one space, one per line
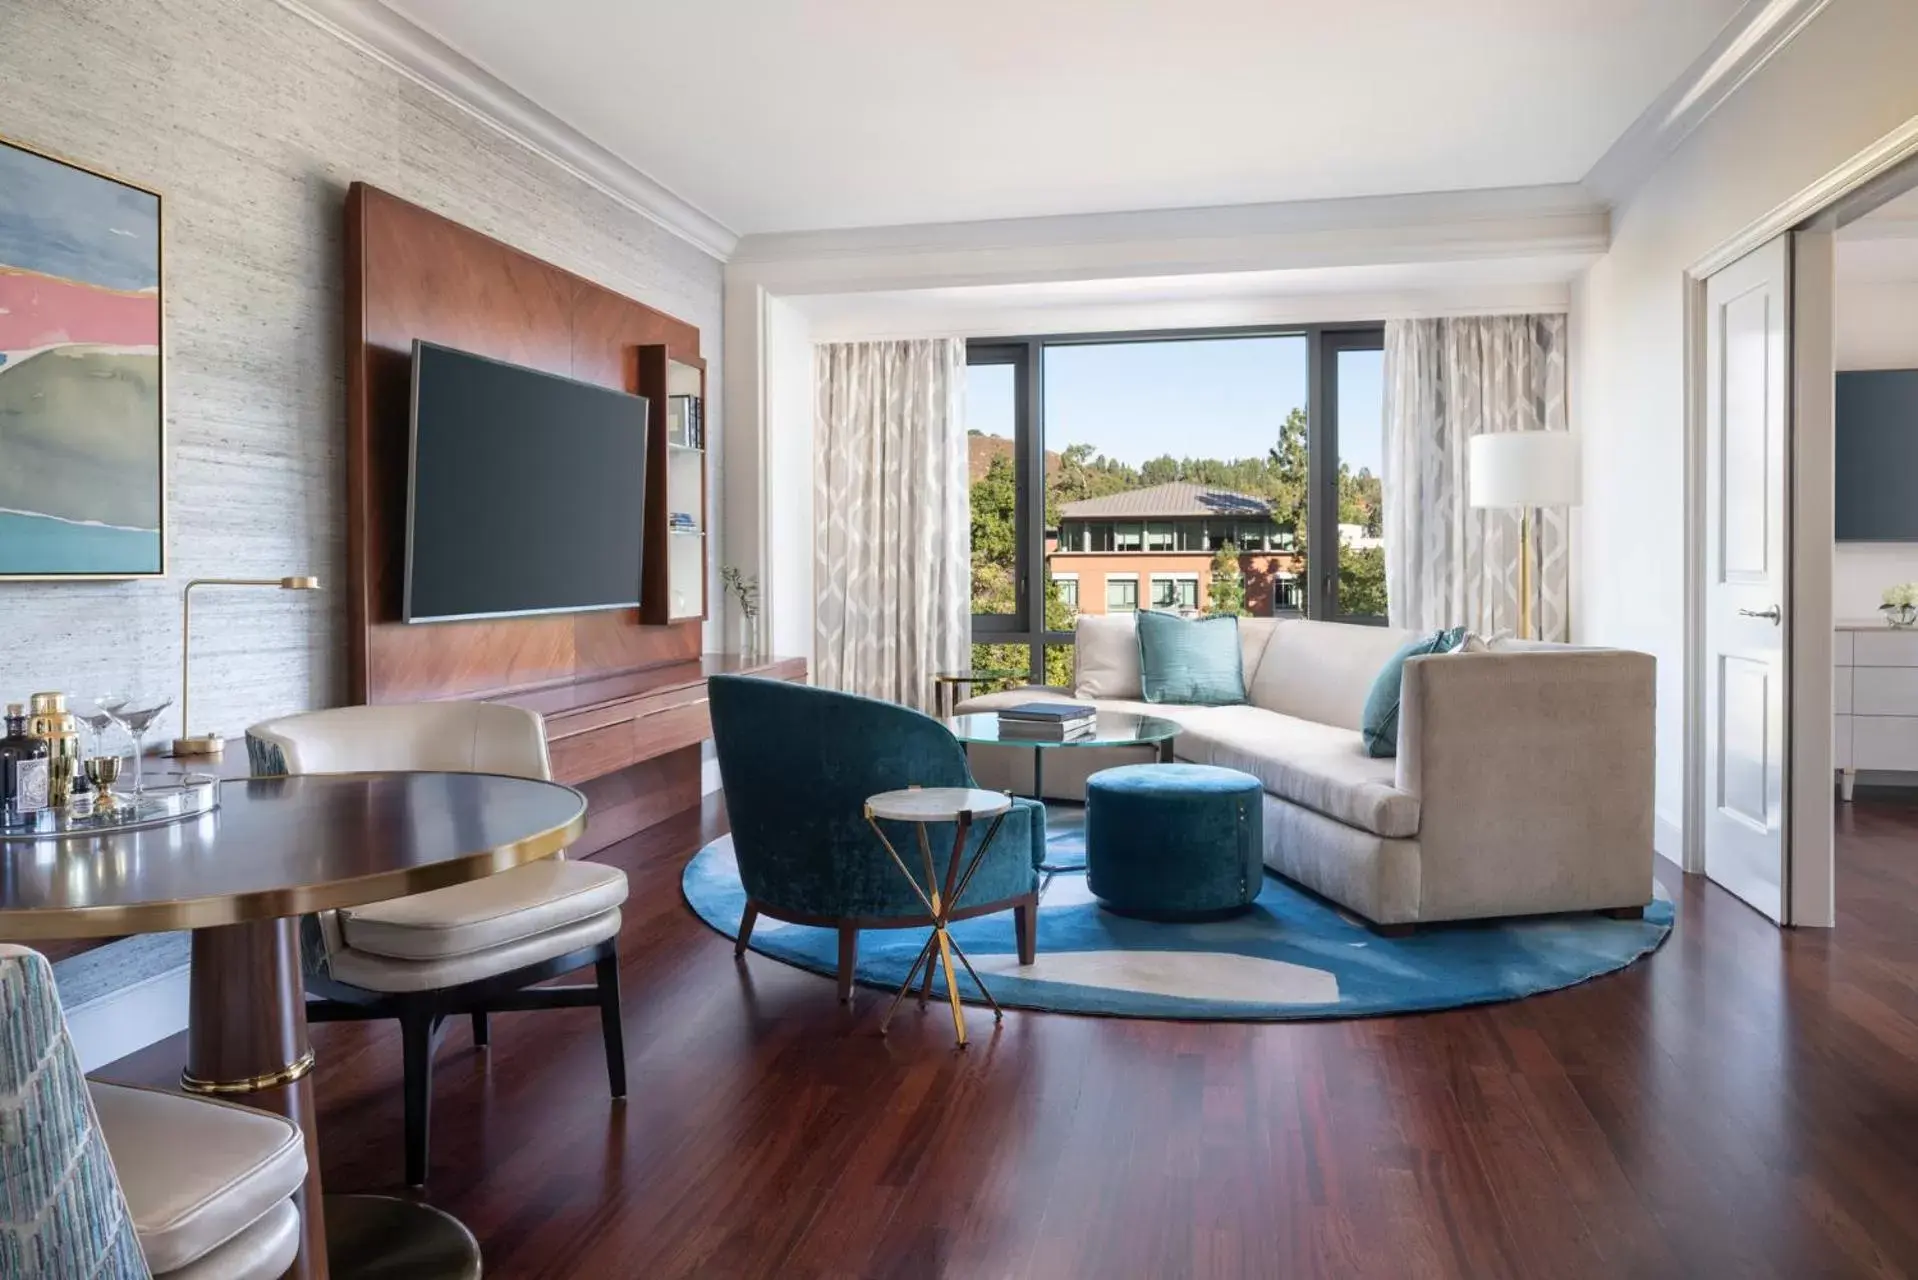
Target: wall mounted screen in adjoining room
1192 472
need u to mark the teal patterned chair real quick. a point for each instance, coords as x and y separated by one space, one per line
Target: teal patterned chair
797 765
105 1182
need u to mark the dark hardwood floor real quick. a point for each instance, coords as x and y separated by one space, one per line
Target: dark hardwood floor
1743 1104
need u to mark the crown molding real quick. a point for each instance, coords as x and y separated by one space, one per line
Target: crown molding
1749 40
1368 230
423 58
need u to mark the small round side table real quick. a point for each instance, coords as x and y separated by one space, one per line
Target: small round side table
923 806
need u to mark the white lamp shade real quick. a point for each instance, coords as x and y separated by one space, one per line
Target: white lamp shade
1523 469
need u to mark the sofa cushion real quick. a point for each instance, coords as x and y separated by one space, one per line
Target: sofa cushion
1317 766
1105 656
1254 634
1380 728
490 912
1190 661
1322 670
196 1172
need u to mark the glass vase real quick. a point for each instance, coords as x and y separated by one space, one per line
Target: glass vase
749 635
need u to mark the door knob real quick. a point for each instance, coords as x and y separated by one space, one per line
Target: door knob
1772 613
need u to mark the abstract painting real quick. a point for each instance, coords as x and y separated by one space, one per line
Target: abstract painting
82 428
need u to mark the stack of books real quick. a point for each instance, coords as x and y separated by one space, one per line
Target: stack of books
1048 721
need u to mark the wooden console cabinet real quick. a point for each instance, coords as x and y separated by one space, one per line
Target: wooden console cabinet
631 741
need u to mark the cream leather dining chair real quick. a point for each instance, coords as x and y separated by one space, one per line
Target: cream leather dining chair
475 948
104 1180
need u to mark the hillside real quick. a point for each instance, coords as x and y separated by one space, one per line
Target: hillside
981 450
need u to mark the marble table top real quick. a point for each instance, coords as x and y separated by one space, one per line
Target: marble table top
937 804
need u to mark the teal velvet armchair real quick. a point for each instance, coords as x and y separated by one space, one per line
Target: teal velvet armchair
797 765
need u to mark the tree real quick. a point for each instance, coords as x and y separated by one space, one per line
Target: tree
1362 581
1227 593
994 537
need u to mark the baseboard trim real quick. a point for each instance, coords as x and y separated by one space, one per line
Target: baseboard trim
149 1008
1668 839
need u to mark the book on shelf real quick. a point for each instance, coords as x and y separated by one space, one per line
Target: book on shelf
685 423
1050 712
1046 731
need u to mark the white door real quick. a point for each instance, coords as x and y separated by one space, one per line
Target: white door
1747 345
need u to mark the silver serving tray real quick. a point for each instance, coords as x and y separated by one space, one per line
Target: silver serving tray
158 806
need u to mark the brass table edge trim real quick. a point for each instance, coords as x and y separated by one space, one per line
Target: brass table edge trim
30 924
273 1079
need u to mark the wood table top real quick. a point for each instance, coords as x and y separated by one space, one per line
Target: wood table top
282 847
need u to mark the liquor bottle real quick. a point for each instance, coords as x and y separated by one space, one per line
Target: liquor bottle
16 750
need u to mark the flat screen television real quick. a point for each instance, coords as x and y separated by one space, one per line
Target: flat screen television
1876 460
526 491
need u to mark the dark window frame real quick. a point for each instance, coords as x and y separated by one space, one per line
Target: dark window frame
1323 454
1027 356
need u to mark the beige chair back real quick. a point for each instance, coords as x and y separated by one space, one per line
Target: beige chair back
415 737
441 737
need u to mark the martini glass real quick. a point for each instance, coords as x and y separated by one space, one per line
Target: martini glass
136 715
98 717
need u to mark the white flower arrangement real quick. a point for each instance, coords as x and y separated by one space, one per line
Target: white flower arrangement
1901 604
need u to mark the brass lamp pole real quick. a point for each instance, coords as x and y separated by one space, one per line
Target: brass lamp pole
211 744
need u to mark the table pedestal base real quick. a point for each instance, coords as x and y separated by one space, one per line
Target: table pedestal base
386 1238
246 1042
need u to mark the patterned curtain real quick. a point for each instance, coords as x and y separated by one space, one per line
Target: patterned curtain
1446 563
892 555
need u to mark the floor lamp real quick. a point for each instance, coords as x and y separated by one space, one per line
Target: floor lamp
1524 470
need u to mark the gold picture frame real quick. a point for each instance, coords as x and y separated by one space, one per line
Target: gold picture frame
105 299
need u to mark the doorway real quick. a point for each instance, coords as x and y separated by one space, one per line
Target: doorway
1773 488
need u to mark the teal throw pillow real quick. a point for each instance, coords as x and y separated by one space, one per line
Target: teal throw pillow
1379 726
1190 661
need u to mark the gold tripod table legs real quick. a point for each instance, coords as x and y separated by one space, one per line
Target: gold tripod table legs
939 904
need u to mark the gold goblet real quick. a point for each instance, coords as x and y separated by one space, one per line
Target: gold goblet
103 772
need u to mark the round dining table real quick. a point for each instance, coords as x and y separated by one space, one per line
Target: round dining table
240 877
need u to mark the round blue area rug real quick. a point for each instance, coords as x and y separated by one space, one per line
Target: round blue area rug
1292 956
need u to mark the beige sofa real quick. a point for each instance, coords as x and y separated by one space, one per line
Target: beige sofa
1523 783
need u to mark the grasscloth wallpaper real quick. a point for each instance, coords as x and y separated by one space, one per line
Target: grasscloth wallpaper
251 122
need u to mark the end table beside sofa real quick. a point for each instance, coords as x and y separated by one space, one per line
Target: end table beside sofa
1522 785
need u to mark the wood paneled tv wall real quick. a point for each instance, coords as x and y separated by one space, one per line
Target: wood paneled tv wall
412 274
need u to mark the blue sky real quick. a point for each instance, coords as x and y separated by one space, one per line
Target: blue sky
1212 397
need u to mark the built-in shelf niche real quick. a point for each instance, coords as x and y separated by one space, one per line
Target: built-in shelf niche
676 517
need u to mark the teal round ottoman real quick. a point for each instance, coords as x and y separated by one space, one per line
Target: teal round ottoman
1174 841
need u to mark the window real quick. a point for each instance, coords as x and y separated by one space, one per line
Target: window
1177 593
1290 418
1288 594
992 429
1355 437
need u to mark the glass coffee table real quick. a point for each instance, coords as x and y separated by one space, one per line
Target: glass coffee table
1114 729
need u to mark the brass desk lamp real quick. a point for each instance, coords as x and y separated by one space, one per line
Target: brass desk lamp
211 744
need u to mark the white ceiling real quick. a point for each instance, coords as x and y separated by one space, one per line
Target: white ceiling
778 116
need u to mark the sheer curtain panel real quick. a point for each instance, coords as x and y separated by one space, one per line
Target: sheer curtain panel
1447 564
892 552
